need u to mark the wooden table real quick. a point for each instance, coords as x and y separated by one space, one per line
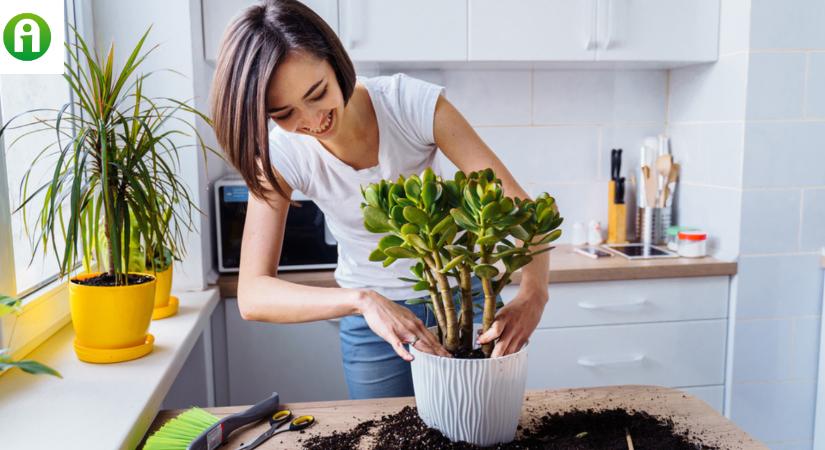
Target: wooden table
687 413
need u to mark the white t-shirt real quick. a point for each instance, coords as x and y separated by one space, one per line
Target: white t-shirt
405 109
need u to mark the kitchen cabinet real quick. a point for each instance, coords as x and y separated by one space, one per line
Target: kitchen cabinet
677 31
403 30
668 332
218 13
302 362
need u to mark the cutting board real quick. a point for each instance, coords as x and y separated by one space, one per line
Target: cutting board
686 411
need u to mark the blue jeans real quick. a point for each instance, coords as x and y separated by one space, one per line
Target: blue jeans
371 366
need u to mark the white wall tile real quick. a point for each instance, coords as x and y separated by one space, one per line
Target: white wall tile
779 286
815 94
784 154
806 348
577 203
709 153
709 92
813 219
763 350
734 26
775 411
791 445
787 24
770 221
776 85
546 154
490 97
716 210
599 96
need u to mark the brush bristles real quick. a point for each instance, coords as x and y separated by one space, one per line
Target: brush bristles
179 432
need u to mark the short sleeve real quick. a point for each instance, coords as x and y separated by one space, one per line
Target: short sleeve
286 159
417 100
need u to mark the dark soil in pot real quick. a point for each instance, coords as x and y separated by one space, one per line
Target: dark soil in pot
108 280
581 430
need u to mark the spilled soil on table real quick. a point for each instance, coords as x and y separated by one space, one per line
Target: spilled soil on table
577 429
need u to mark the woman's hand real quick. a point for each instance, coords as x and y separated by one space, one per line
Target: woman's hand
398 325
514 323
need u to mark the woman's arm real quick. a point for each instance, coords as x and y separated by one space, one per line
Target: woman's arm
463 146
262 296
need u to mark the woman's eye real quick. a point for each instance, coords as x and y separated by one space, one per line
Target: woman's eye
283 117
319 96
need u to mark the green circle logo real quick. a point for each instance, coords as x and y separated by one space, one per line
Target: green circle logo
27 36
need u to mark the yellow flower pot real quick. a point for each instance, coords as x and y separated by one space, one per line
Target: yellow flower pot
166 305
111 322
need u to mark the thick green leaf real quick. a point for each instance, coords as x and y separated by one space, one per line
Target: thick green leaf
453 263
389 241
377 255
418 301
371 196
418 242
409 228
416 216
517 262
428 194
462 219
376 220
485 271
491 211
389 261
447 220
412 187
400 252
519 233
421 286
550 237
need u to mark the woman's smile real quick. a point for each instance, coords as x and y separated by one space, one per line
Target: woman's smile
324 128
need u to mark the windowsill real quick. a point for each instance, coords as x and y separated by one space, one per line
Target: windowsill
99 406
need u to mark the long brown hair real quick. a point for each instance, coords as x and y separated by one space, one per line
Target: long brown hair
253 46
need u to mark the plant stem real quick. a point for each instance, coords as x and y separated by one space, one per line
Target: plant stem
489 312
467 313
438 307
451 343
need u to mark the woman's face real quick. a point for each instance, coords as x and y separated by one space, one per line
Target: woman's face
303 96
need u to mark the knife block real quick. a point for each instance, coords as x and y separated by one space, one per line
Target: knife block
616 217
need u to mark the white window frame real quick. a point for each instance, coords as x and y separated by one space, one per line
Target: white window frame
45 307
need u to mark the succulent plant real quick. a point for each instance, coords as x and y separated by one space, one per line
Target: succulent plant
454 229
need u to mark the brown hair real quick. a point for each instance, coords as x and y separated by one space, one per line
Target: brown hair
253 46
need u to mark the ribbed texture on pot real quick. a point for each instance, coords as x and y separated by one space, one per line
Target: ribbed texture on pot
474 400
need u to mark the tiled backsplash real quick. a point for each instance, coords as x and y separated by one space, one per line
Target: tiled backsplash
554 128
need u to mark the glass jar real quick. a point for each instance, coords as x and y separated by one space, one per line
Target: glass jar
692 243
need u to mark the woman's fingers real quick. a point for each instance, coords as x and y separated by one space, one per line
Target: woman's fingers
493 333
398 346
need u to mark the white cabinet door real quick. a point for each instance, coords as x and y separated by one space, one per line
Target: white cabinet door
403 30
658 30
218 13
532 30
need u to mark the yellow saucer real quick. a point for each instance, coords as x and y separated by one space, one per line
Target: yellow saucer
166 311
113 355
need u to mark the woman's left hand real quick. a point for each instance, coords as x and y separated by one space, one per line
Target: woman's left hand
514 323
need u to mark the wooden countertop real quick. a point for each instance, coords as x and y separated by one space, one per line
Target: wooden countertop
687 412
565 267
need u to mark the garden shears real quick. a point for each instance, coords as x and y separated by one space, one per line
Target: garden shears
275 427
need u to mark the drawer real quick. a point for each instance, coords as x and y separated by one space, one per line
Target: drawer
712 395
665 354
632 301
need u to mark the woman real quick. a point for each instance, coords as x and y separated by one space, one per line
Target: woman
279 61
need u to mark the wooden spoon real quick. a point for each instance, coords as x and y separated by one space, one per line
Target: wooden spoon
671 183
664 164
650 187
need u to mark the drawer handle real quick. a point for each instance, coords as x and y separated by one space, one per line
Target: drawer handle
616 305
599 361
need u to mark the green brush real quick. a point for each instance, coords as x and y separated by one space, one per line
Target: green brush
196 429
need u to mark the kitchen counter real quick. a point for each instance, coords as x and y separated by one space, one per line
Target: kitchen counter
687 413
565 267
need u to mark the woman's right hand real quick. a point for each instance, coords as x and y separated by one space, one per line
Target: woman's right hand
398 325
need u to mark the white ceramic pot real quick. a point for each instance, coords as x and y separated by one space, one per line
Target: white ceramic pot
473 400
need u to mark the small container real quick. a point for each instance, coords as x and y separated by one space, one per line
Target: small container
579 234
693 243
673 236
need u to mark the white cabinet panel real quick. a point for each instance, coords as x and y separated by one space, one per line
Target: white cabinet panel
403 30
532 30
218 13
712 395
665 354
633 301
302 362
658 30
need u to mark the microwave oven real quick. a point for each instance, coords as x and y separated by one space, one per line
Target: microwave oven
307 242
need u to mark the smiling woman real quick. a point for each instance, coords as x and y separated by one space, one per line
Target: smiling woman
334 134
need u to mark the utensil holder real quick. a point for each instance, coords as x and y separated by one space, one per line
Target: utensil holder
652 224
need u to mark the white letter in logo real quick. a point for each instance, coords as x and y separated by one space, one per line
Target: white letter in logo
26 27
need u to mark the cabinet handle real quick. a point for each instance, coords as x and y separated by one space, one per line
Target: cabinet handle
351 18
615 305
600 361
610 40
590 44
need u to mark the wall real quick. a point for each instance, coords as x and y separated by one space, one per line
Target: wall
752 128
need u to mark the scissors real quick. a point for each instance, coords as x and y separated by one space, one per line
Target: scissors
275 422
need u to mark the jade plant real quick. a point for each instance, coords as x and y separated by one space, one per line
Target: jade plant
453 229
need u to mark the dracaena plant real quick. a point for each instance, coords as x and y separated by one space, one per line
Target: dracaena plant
454 229
114 187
